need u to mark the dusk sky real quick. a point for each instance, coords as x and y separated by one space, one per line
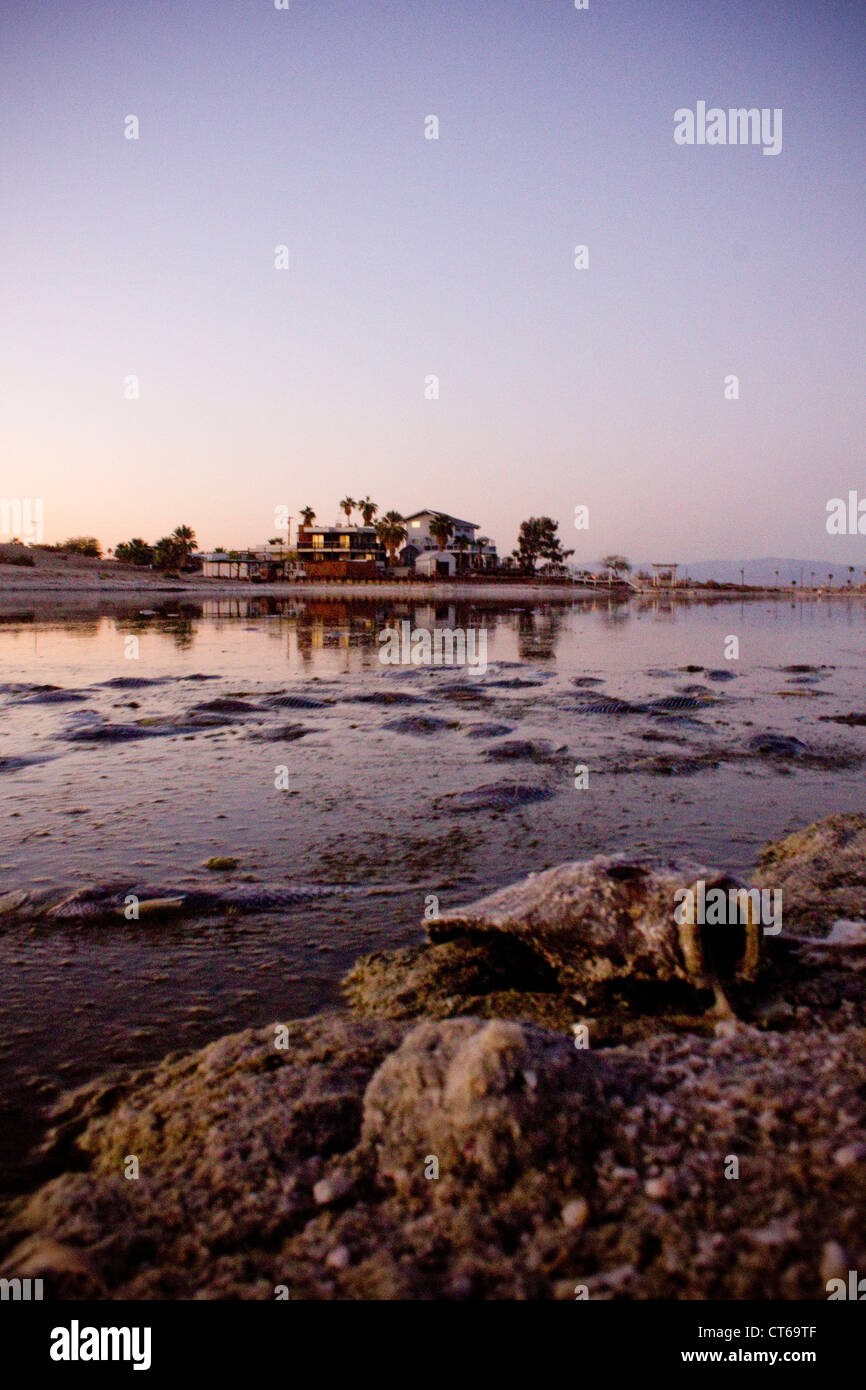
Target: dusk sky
411 257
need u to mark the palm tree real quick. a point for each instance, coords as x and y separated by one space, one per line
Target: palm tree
850 571
348 505
461 545
308 516
776 572
830 580
441 529
368 510
391 533
184 536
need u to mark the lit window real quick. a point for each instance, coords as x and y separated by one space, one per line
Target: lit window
318 542
344 542
416 526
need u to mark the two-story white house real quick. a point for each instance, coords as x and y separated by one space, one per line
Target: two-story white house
470 550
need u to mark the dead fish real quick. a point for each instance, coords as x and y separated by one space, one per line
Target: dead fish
672 702
87 902
497 796
770 745
612 706
225 704
53 697
11 902
518 749
296 702
284 733
135 682
512 683
610 922
385 697
106 733
417 724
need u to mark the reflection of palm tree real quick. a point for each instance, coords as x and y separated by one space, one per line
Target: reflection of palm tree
391 533
347 505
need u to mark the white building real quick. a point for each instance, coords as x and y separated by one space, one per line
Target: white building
469 550
436 564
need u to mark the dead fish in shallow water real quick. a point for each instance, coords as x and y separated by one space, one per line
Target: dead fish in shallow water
612 706
609 922
496 796
11 902
87 902
674 702
109 900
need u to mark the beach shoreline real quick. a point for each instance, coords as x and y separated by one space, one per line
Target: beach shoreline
525 591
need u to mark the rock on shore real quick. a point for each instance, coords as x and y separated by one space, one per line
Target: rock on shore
483 1157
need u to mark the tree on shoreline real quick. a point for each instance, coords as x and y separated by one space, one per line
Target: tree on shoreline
441 529
185 540
348 505
308 516
617 564
80 545
134 552
539 540
368 510
391 533
173 552
461 545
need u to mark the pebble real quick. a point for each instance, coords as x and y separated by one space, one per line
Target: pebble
849 1154
834 1261
575 1214
330 1189
338 1258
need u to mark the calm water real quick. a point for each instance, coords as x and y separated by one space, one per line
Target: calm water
366 807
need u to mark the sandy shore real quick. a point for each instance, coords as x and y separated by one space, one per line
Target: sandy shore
86 589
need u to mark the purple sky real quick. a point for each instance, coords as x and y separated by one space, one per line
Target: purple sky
411 257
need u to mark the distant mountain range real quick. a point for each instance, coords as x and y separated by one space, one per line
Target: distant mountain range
811 573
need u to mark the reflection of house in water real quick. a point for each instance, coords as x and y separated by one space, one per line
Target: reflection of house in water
332 623
430 615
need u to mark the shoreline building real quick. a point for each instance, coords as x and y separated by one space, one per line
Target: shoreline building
469 550
262 564
340 552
